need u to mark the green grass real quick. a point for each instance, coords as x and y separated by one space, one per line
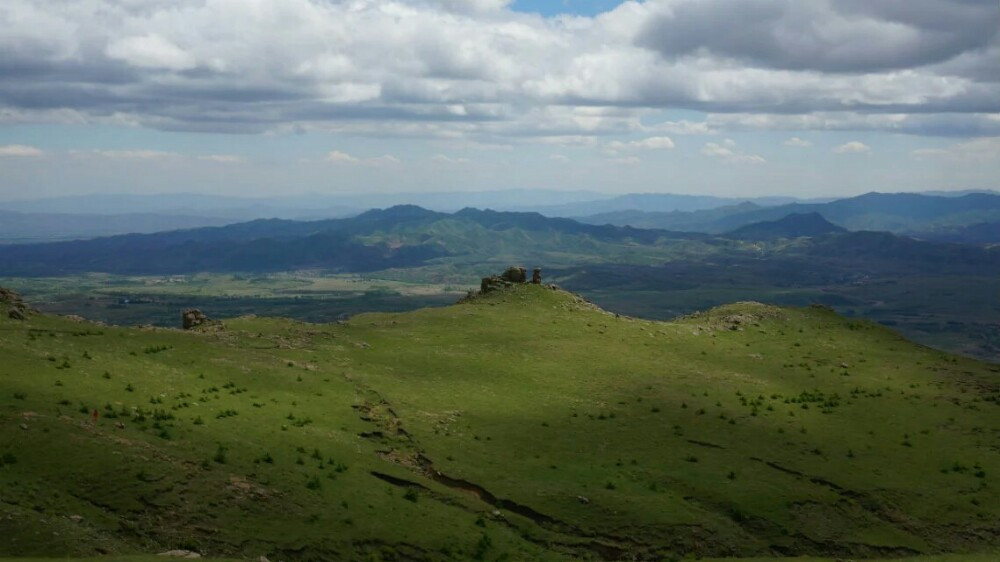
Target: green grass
523 425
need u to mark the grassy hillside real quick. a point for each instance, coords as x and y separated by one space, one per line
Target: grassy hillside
526 424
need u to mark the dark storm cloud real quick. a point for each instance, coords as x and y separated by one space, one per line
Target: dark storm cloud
822 35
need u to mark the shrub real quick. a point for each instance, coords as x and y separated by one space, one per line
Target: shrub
411 495
314 483
220 454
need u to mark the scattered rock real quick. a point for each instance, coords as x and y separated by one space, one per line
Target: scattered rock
536 276
15 314
179 553
24 426
193 318
583 499
75 518
263 559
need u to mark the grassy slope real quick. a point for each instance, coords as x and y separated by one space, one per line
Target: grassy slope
525 424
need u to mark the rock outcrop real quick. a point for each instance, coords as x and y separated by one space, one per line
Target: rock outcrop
193 318
510 277
17 309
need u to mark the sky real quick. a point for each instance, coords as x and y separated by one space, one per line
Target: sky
739 98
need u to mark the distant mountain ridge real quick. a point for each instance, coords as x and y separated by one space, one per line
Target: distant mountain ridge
893 212
16 227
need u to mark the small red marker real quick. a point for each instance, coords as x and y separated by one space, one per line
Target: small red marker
94 416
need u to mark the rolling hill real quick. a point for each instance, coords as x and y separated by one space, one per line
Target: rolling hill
523 424
795 225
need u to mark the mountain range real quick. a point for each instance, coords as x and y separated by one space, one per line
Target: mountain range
407 236
894 212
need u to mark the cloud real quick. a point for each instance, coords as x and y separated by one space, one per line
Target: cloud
339 157
443 159
683 128
819 35
729 155
222 158
651 143
852 147
150 51
559 158
478 71
797 142
974 151
20 150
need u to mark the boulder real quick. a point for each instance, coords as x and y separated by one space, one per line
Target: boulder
15 314
193 318
536 276
180 553
514 275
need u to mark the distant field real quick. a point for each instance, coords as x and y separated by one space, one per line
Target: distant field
159 300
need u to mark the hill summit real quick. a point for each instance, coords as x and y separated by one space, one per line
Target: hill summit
794 225
525 424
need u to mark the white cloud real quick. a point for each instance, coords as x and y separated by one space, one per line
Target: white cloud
974 151
852 147
339 157
448 160
222 158
559 158
730 156
797 142
651 143
20 150
683 128
151 51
